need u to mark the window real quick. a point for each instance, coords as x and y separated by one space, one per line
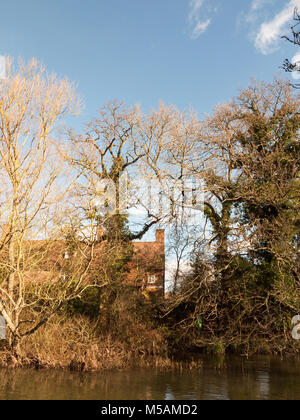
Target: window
64 276
152 279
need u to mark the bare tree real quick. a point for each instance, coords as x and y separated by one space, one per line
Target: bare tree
32 102
108 151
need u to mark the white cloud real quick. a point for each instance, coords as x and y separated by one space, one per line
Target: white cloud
137 211
171 267
195 6
2 67
200 28
296 60
270 31
258 4
197 23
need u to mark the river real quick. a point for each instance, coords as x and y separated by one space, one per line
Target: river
230 379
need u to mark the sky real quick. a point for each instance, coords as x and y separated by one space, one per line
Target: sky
185 52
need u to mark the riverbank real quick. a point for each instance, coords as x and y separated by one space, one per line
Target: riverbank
77 345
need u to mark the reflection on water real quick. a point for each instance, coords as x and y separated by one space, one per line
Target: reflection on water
236 379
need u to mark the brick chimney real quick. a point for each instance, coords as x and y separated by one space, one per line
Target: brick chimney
160 236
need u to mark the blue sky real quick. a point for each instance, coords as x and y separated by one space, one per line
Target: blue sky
185 52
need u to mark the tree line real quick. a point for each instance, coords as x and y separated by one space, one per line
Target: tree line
240 243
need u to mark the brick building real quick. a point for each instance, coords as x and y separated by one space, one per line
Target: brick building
147 268
46 261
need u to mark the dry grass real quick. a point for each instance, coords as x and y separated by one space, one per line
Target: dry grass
76 344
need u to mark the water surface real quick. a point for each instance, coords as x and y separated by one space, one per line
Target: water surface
235 378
